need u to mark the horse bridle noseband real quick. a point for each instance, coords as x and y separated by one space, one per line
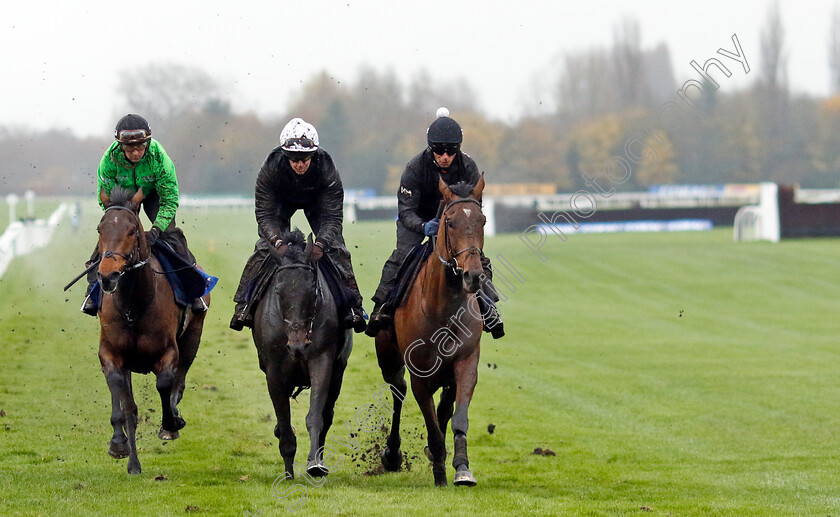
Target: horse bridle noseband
128 266
453 256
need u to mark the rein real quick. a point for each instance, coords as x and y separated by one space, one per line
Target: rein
452 263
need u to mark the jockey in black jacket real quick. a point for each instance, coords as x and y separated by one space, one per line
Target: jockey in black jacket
418 200
299 175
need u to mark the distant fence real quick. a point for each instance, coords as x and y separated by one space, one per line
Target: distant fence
22 237
714 204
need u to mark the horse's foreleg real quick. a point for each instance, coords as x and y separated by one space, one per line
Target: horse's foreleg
123 418
445 407
118 447
165 370
437 447
130 412
329 407
393 372
280 392
319 378
392 456
187 350
466 376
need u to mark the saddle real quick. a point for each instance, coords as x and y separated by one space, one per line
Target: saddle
407 274
264 278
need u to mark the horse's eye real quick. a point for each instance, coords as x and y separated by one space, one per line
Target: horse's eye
449 223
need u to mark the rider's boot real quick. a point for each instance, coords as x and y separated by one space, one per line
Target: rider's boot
492 318
198 305
356 319
89 305
240 317
380 319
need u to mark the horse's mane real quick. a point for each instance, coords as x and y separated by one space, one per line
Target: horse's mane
121 196
462 188
296 242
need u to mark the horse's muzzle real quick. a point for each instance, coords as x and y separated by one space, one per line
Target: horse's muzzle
471 280
108 282
298 347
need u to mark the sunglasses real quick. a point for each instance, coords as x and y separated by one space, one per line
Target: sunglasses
450 149
297 157
133 147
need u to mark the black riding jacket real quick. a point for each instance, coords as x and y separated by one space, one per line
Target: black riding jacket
280 191
419 195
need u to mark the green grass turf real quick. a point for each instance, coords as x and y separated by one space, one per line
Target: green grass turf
672 374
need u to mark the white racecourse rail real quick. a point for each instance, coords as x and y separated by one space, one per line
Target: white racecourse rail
22 237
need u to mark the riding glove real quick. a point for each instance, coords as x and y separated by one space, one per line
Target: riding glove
152 236
431 227
317 251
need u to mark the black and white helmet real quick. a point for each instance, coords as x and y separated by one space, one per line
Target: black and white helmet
299 136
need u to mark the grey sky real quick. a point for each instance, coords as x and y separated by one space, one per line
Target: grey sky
62 61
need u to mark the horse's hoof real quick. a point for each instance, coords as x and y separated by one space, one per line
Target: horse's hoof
180 423
392 462
118 450
163 434
317 469
134 467
464 478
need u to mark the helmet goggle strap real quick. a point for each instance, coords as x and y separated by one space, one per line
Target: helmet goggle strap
132 136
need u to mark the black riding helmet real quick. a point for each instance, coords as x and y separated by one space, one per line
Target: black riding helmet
132 129
444 130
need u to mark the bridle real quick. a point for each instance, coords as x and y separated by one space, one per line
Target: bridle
452 263
129 265
299 325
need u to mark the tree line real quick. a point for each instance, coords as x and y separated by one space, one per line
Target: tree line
595 103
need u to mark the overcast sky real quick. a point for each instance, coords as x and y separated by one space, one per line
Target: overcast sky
62 60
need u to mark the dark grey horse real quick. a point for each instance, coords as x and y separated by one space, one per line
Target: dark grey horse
301 344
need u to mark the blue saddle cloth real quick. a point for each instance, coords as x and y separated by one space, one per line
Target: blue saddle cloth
187 281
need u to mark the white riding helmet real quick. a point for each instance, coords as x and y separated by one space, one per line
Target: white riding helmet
299 136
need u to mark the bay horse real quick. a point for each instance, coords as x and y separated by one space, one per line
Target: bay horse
140 323
300 343
437 333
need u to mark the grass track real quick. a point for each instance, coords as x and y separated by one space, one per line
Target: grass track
672 374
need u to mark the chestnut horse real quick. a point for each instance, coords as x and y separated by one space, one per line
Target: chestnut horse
140 324
300 344
437 334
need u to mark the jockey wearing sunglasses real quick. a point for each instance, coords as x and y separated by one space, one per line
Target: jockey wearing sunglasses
137 161
418 199
299 175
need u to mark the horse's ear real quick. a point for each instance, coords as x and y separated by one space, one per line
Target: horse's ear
444 189
307 251
479 188
137 199
106 200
